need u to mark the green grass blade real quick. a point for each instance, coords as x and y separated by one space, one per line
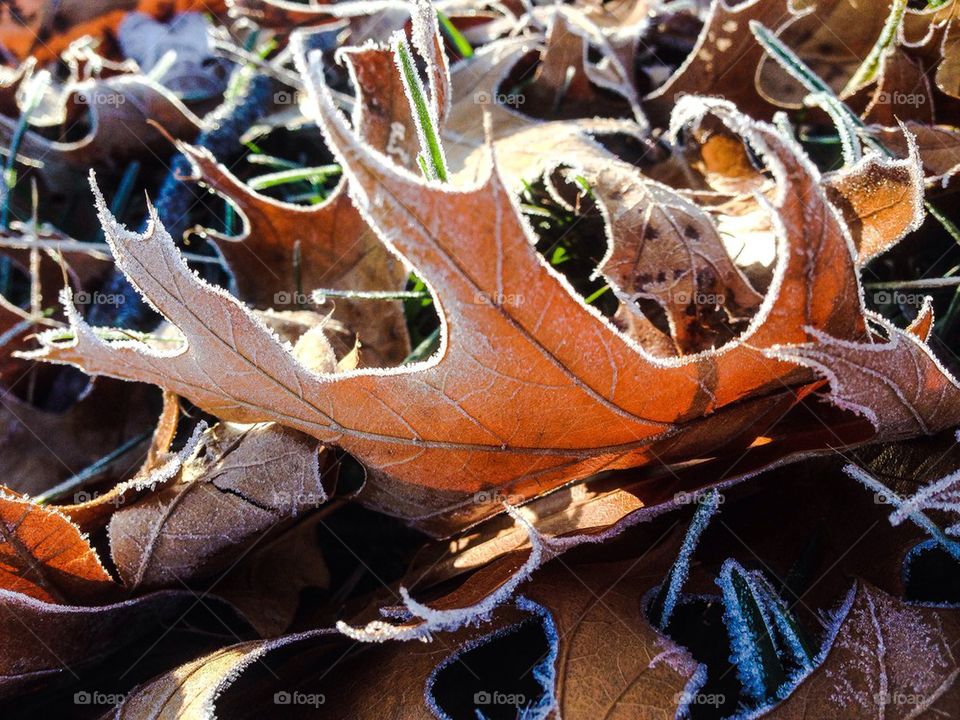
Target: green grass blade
426 127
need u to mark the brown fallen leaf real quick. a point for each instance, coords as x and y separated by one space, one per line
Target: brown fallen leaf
525 147
33 251
568 85
832 37
601 656
65 638
240 484
91 511
888 659
192 689
933 30
117 111
45 556
896 383
664 248
567 360
902 92
266 585
939 147
42 29
40 448
881 200
725 52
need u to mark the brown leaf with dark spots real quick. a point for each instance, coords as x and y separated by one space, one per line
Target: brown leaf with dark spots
666 249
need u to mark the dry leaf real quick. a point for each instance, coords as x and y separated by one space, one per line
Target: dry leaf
40 448
557 376
897 384
116 110
266 585
934 31
939 147
666 249
567 85
902 92
725 53
65 638
832 37
881 200
602 657
888 659
241 484
45 556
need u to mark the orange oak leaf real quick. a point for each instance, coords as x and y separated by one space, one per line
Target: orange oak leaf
518 390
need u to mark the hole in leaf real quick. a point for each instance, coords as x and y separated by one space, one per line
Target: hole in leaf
697 624
497 678
931 574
